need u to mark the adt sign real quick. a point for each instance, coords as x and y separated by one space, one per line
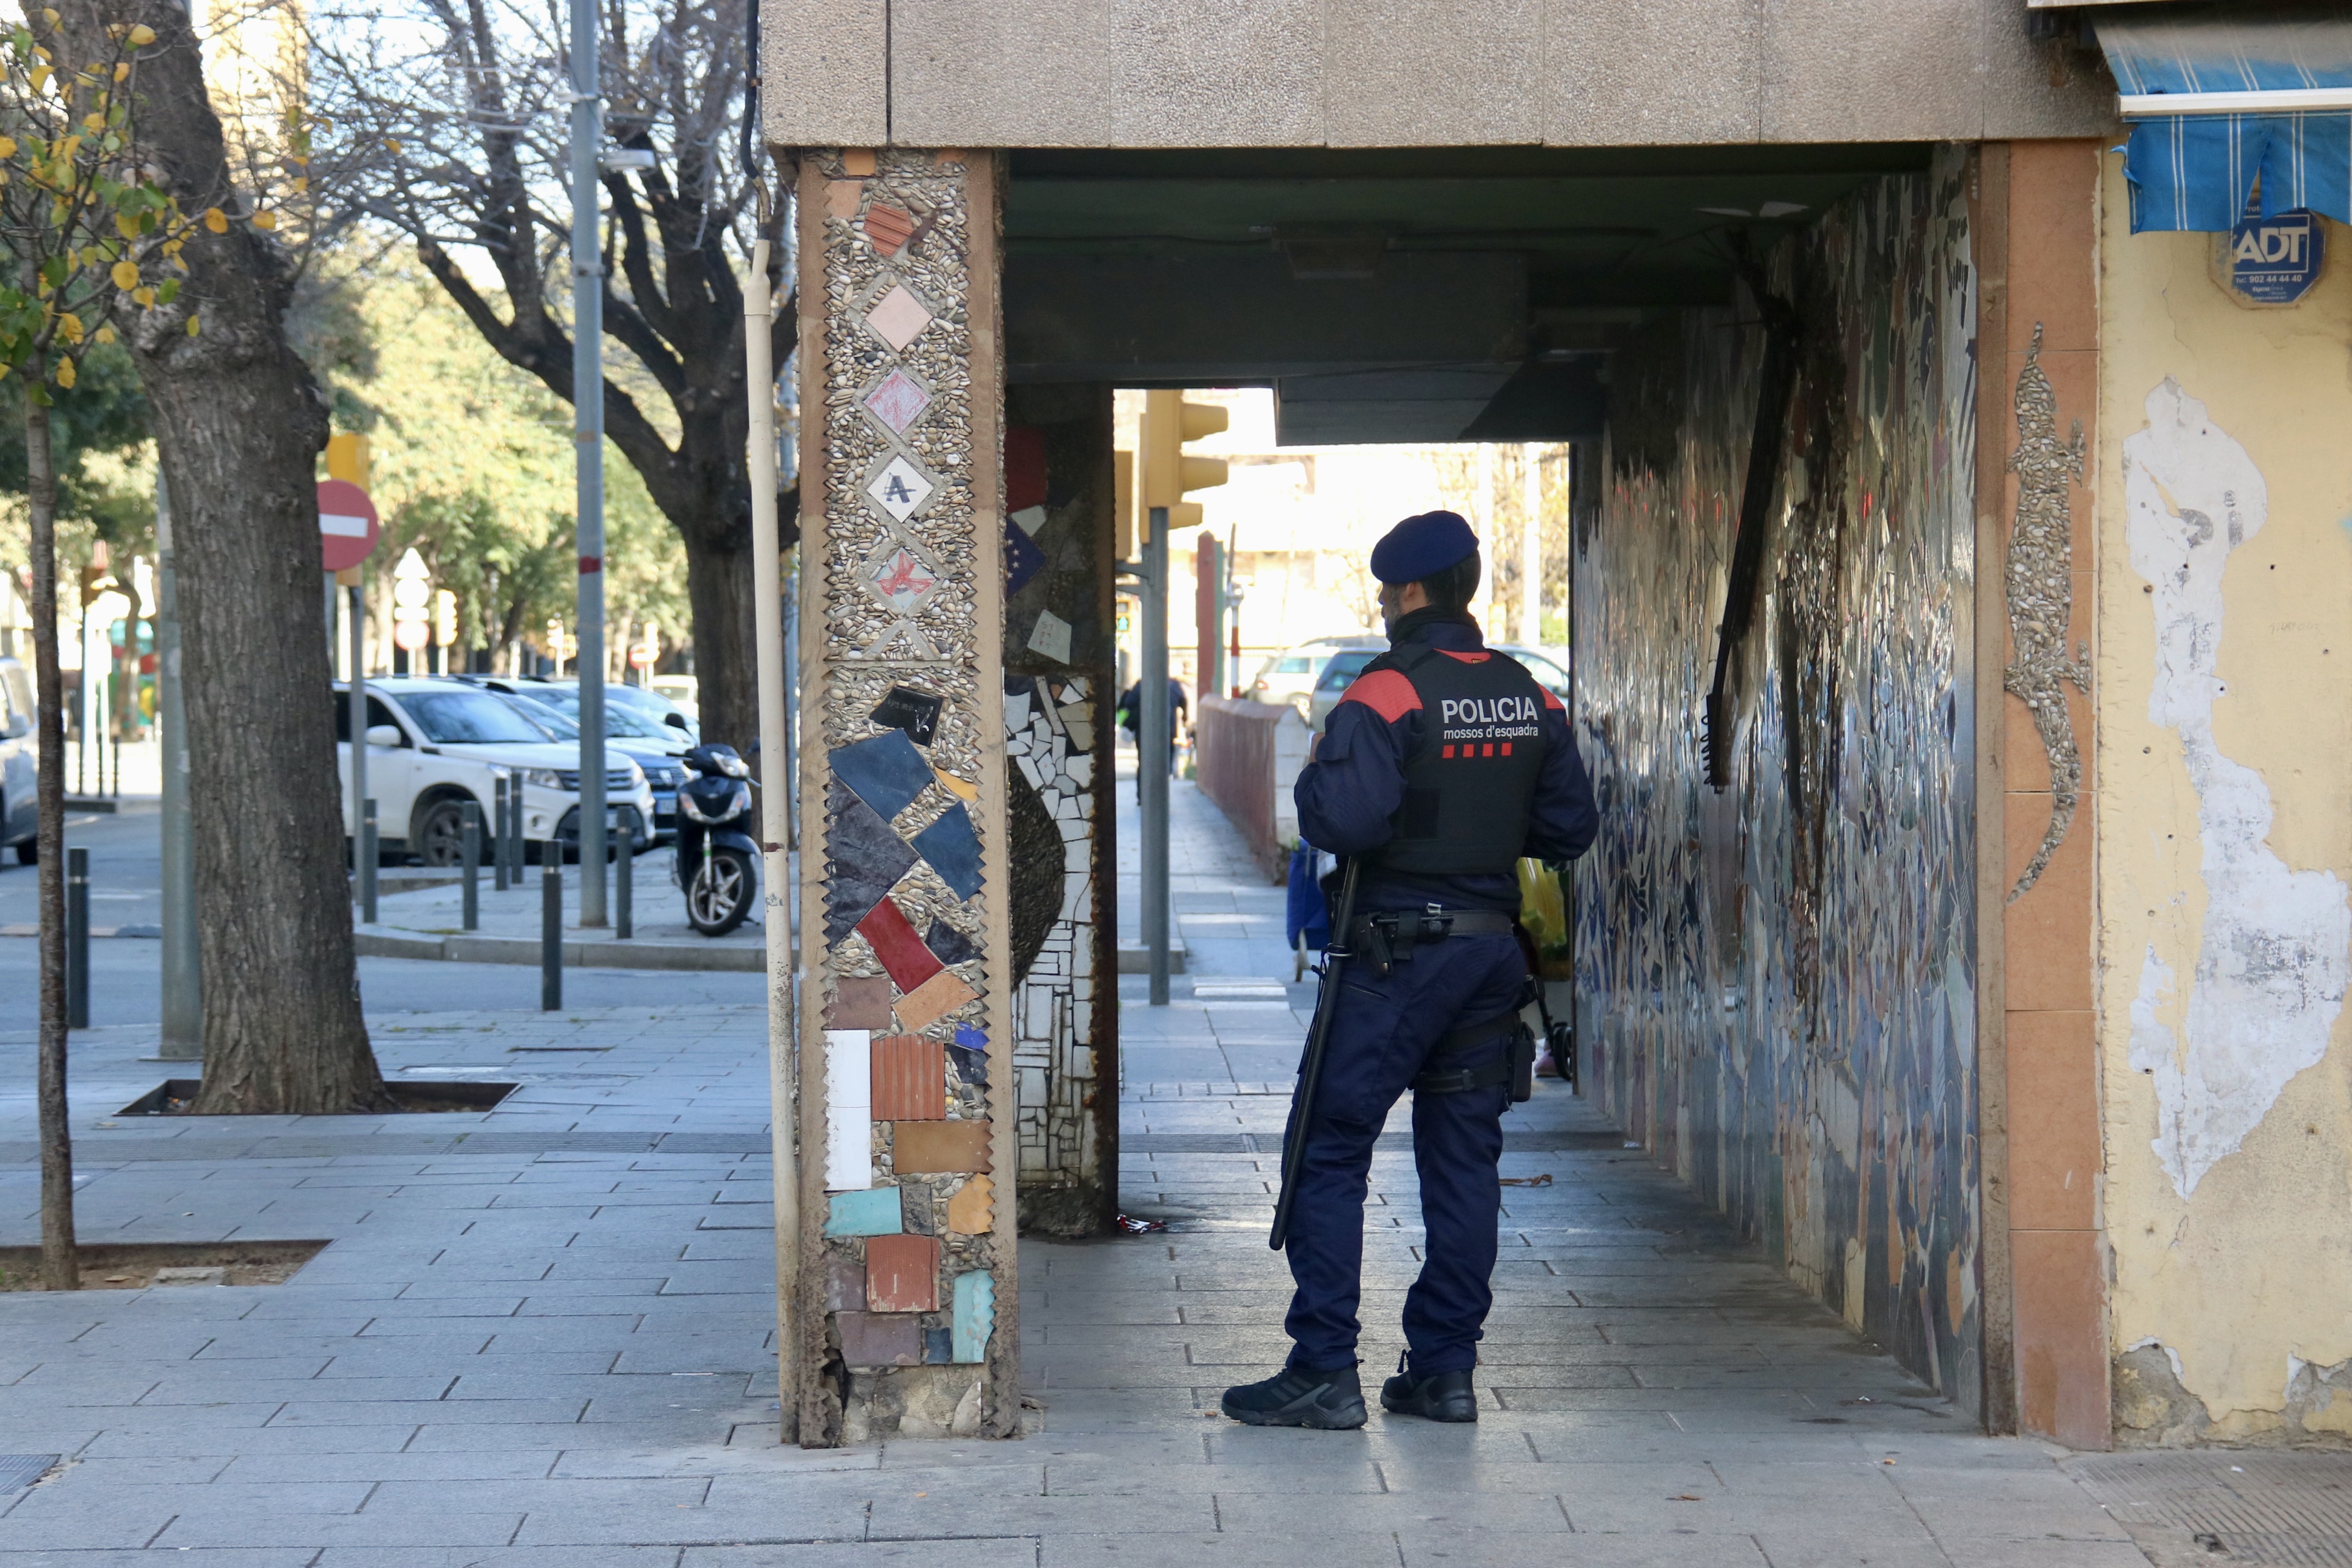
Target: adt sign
2275 261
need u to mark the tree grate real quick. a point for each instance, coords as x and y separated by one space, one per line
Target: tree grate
18 1471
2286 1509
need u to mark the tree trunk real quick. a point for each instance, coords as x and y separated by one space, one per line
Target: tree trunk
60 1262
239 424
719 587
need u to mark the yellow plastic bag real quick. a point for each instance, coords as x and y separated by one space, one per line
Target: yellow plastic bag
1543 909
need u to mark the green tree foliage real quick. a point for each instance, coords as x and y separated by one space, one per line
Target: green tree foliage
473 467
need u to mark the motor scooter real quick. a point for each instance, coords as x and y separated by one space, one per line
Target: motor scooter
716 861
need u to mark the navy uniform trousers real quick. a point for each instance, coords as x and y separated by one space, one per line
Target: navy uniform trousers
1382 1036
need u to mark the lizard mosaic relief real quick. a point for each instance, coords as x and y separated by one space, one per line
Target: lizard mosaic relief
2042 597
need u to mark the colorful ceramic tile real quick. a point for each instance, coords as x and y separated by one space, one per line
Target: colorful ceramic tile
1029 520
1050 636
962 789
897 318
970 1054
950 945
886 771
973 1211
880 1339
902 1274
897 402
861 1002
874 1212
910 1078
848 1110
1023 558
865 860
934 999
892 936
844 1282
938 1347
939 1148
1024 466
901 579
975 1314
912 710
900 489
889 228
952 846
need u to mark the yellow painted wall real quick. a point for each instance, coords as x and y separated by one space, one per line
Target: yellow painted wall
2252 1272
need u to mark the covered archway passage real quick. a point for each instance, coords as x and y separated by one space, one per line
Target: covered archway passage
1775 359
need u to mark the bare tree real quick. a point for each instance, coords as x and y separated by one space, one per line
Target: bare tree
452 116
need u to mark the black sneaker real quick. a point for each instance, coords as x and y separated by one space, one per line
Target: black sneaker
1441 1396
1327 1400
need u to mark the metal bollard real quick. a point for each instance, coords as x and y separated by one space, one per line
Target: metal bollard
551 926
471 852
517 857
368 857
625 877
77 938
499 833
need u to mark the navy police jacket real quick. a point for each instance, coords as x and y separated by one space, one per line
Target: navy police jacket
1349 794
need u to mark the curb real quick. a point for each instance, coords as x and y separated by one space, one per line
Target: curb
522 949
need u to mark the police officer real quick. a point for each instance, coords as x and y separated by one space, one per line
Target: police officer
1441 766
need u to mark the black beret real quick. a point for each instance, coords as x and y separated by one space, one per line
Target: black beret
1422 546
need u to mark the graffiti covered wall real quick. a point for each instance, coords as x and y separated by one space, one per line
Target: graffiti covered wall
1778 978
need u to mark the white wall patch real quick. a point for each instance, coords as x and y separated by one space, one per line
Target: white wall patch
2276 951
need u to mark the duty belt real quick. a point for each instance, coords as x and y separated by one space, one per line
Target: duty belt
1388 939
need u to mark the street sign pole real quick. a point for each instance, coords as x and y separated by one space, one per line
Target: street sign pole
356 615
183 1015
588 441
1152 721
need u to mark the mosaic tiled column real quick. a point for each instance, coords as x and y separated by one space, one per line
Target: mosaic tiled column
908 1307
1058 495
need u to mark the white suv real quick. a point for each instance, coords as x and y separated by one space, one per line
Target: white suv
433 744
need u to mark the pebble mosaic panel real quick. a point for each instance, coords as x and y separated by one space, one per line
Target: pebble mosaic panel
1778 980
899 726
1049 734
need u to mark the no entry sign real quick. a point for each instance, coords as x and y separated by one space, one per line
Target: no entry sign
348 526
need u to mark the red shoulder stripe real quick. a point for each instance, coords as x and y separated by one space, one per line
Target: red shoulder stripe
1552 702
1466 658
1386 692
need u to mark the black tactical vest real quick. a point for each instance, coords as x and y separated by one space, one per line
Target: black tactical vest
1469 785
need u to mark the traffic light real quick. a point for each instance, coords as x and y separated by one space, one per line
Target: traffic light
1169 422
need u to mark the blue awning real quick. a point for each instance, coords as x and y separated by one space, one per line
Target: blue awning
2263 92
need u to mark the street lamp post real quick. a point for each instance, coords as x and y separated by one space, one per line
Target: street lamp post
588 441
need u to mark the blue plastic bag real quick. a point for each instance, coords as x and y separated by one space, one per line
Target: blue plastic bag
1309 914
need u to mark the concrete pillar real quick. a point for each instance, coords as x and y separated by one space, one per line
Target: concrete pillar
908 1318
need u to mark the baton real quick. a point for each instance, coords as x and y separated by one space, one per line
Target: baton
1310 1066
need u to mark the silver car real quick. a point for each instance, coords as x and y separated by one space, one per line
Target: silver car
1290 676
19 761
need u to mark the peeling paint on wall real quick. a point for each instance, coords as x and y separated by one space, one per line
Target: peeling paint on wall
2272 961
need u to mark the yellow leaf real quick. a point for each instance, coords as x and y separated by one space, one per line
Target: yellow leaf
66 374
126 225
50 17
104 334
40 75
302 186
70 325
191 326
122 69
126 275
216 220
145 295
392 146
93 122
7 146
265 220
141 37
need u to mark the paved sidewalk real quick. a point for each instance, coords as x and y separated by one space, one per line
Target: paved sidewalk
544 1336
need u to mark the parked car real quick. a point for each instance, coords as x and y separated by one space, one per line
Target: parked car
683 692
20 762
659 748
1291 674
435 742
1341 669
564 695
